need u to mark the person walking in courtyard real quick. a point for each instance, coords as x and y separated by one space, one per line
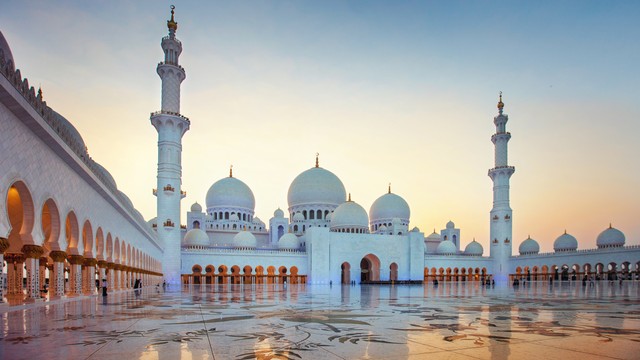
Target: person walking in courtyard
104 287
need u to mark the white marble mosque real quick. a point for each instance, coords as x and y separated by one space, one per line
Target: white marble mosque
64 223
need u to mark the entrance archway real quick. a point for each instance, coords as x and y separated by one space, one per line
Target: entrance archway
369 268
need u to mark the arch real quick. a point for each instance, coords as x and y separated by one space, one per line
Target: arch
369 268
393 272
99 244
87 239
345 273
72 233
51 225
116 251
20 211
109 248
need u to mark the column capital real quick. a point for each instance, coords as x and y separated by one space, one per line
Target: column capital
14 258
102 264
111 265
43 261
58 256
32 251
4 245
76 259
90 262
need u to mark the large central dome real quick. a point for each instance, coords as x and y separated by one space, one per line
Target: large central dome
230 192
316 186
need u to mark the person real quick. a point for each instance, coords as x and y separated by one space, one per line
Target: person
164 285
104 287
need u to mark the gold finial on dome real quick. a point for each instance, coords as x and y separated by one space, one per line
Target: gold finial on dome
40 92
317 162
389 190
500 103
172 24
349 197
230 170
609 225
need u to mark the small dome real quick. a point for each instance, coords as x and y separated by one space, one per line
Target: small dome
447 247
153 221
257 221
610 237
415 229
389 206
529 246
329 217
5 49
450 225
278 213
70 130
230 192
298 217
316 186
565 242
126 199
350 214
288 242
105 174
196 237
234 217
474 248
244 239
434 236
382 228
196 207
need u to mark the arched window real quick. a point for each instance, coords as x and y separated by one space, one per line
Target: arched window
455 238
215 216
304 214
295 228
319 214
196 224
312 215
226 215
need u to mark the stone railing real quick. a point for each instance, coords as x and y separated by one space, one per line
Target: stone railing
583 251
231 250
164 112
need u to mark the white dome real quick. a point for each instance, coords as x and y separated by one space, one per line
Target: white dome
153 221
350 214
298 217
278 213
316 186
529 246
106 174
565 242
610 237
6 50
382 228
289 242
474 248
389 206
196 207
244 239
415 229
434 236
230 192
447 247
196 237
257 221
450 225
70 131
234 217
126 199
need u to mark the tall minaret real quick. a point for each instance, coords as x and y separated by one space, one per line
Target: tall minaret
170 126
501 214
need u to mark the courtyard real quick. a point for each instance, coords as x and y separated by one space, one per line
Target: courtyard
451 321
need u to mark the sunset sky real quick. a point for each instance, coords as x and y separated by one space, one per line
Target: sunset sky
387 92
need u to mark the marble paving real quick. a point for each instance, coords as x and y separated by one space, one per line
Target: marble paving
451 321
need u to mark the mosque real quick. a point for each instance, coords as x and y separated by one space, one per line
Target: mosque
64 223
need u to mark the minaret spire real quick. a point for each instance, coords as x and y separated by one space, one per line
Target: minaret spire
501 216
171 126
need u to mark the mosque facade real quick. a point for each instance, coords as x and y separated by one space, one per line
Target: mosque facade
64 223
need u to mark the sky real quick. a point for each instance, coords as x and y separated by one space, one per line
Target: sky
386 92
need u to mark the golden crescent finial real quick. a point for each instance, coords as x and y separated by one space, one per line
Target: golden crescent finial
500 103
231 170
317 162
172 24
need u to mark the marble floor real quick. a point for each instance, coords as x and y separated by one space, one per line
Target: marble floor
451 321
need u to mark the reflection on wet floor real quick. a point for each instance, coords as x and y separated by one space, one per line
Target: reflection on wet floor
456 320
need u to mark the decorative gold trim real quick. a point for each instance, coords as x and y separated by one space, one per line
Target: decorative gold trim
58 256
32 251
4 245
75 259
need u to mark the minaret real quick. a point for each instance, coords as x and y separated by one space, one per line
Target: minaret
501 214
171 126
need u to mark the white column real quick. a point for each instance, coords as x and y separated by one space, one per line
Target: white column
32 255
56 276
4 245
75 274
